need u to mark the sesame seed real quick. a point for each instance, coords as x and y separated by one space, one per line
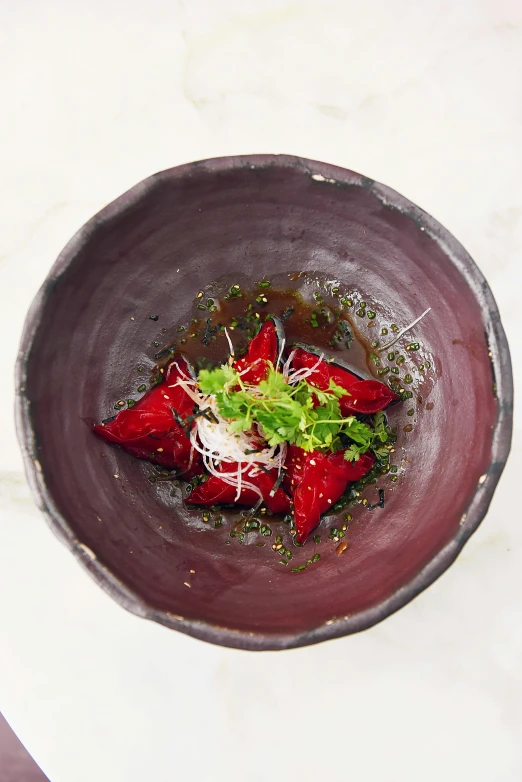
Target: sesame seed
187 584
192 571
159 450
116 476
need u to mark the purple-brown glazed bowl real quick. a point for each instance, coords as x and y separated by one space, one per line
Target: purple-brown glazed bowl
149 252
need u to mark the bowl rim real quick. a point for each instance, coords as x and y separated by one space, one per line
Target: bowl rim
327 175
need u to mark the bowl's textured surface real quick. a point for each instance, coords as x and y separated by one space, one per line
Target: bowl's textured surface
149 252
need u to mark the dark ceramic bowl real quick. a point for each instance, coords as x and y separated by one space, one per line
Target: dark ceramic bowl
149 252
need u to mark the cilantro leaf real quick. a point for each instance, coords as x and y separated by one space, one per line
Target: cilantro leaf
211 381
300 414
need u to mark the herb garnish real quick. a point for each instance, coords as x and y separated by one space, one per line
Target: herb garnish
288 413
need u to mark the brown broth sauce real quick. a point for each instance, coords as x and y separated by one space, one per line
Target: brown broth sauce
322 324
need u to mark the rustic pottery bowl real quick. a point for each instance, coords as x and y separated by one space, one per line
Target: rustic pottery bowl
149 252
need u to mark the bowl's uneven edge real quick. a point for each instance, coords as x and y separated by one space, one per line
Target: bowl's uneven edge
326 176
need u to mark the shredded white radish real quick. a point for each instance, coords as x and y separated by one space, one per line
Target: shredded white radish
182 373
280 353
288 364
403 331
249 367
211 436
186 386
227 335
302 374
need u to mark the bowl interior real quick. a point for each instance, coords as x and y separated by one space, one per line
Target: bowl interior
150 253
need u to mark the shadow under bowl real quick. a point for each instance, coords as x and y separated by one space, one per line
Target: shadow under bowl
242 218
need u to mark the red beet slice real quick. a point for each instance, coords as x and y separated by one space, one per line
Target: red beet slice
319 480
262 349
149 430
365 396
215 491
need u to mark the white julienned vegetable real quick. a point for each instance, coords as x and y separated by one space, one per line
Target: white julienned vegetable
211 436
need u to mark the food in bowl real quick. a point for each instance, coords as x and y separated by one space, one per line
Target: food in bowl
93 335
281 428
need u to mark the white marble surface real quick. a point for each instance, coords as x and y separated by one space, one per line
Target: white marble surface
425 97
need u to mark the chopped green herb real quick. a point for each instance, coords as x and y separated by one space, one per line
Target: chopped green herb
286 412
